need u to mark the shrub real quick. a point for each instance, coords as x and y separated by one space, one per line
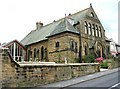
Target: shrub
77 60
118 58
89 58
104 64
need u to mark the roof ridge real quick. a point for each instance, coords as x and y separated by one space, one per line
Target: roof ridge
65 17
79 11
34 36
65 25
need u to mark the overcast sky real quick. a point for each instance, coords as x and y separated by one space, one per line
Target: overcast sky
19 17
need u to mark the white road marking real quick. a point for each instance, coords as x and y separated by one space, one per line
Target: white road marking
114 86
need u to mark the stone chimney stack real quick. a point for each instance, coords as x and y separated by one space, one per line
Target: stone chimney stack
39 25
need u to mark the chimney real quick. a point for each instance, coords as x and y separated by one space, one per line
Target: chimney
39 25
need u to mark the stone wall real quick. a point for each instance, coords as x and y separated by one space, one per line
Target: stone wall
113 64
64 50
37 73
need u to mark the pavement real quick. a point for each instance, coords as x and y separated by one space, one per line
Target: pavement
73 81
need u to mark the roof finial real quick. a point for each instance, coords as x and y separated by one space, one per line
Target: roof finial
65 17
91 5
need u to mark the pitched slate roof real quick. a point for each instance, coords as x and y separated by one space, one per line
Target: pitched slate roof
54 28
64 26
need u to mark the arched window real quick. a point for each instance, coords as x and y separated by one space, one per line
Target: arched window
97 30
42 53
35 52
46 57
100 32
103 35
72 45
57 45
86 27
89 29
93 29
92 14
86 48
38 53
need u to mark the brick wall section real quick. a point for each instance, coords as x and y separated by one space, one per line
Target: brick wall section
34 74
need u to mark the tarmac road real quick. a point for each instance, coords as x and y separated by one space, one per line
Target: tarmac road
110 81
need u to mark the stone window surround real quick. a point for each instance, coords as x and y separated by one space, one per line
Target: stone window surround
57 44
92 14
85 45
73 45
88 28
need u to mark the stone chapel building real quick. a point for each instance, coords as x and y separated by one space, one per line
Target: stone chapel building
67 38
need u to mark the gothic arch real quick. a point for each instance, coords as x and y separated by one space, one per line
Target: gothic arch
29 55
35 51
86 27
99 49
42 53
37 54
86 48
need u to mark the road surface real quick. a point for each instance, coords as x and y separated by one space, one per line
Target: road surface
110 81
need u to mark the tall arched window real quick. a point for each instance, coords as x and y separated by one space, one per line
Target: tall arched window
86 27
89 29
97 30
35 52
100 32
72 45
86 48
46 57
42 53
93 29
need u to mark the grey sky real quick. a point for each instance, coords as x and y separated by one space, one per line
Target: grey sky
19 17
